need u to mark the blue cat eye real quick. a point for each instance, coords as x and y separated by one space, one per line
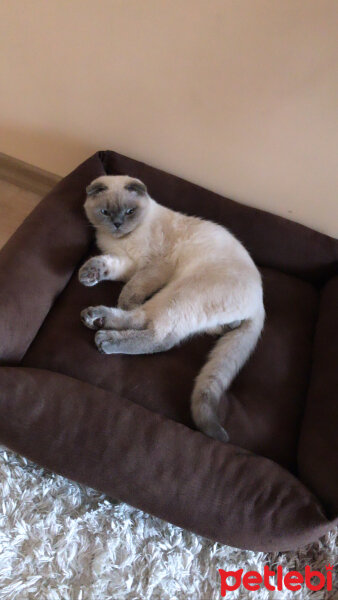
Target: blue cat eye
130 211
104 211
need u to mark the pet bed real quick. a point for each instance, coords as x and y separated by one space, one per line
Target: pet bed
122 424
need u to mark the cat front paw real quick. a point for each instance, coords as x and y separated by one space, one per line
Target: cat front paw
93 271
94 317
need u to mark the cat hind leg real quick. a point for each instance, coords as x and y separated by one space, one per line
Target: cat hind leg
131 341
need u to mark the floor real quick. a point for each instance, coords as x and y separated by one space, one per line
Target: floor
15 204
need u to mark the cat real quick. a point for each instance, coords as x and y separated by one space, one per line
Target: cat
183 276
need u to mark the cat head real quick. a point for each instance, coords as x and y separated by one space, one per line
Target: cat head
116 204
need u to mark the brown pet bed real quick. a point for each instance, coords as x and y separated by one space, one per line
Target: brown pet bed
121 424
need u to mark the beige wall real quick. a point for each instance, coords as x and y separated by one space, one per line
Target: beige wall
237 95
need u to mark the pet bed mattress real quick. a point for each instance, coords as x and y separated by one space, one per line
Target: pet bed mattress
122 424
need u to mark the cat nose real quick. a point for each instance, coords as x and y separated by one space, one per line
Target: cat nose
117 224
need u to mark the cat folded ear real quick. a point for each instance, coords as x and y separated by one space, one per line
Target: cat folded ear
95 188
136 186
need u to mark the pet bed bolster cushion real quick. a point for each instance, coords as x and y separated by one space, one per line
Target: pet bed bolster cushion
121 424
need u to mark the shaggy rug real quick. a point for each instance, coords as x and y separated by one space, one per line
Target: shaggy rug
61 541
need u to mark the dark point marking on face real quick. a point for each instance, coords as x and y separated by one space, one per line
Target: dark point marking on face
136 186
95 188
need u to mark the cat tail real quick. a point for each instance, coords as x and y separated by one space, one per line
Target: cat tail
225 360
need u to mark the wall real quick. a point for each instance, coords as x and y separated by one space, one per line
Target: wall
237 95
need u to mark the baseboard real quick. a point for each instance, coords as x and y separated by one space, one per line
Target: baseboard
26 176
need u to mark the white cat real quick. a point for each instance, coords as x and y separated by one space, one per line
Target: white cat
183 276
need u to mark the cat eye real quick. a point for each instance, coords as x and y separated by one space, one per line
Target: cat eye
130 211
104 212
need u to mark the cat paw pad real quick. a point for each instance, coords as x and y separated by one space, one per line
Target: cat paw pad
92 317
92 272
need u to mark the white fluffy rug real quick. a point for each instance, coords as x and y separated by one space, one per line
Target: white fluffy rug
61 541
